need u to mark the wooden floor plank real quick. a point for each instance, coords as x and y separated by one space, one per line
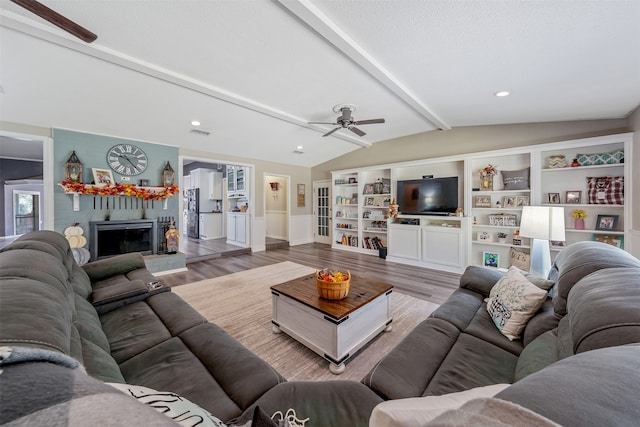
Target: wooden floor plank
431 285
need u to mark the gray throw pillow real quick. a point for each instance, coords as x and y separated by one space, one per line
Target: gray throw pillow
516 180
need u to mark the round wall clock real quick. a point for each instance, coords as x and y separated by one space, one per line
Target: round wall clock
127 159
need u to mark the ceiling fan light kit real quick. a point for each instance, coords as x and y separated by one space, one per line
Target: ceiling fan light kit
347 121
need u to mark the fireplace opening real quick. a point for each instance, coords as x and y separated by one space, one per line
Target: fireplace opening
109 238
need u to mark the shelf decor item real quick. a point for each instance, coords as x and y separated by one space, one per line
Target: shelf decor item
605 190
490 259
486 177
607 223
542 224
557 161
573 197
73 169
168 175
332 285
578 215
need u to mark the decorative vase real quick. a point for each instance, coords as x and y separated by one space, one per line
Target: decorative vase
579 224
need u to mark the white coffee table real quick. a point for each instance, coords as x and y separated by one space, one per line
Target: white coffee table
334 329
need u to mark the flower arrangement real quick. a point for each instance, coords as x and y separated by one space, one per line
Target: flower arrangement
117 189
488 170
579 214
502 235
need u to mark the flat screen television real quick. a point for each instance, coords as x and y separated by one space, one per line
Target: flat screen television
431 196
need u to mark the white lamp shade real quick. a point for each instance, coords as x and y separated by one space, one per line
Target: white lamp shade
542 222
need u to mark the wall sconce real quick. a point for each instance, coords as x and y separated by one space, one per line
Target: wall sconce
73 169
168 175
274 186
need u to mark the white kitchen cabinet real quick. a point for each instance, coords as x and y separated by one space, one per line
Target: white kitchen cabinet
238 229
236 182
215 185
210 226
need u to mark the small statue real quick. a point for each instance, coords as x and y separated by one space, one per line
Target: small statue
173 239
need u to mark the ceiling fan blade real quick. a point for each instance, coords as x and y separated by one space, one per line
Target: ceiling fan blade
322 123
356 131
331 131
56 19
368 122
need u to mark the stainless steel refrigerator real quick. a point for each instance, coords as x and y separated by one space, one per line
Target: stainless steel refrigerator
193 212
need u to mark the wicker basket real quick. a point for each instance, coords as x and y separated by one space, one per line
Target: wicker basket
333 290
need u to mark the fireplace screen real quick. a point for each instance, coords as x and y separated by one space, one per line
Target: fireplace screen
109 238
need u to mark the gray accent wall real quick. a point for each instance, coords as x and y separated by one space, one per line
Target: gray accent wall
92 150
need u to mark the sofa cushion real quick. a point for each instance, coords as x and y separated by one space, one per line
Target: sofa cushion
176 315
21 299
604 309
593 388
460 308
540 353
512 302
471 363
99 363
132 330
482 326
407 369
544 320
479 279
581 259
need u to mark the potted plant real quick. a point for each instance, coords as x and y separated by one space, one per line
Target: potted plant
579 215
502 237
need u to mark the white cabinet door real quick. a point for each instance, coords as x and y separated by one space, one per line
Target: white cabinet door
241 229
215 185
231 227
202 233
404 241
442 246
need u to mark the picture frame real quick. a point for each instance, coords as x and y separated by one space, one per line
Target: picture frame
573 197
617 241
490 259
369 201
482 201
509 202
353 180
368 189
557 244
301 193
522 201
483 236
607 223
102 176
553 198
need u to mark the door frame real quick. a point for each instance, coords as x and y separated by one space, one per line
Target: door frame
316 238
288 204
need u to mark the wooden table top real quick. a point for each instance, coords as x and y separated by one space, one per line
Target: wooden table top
361 292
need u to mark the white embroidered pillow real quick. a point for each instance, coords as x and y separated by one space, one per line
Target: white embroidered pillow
514 300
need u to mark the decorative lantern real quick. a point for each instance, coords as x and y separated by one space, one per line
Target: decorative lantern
73 169
168 175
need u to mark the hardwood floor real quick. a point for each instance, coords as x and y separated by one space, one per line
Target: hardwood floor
431 285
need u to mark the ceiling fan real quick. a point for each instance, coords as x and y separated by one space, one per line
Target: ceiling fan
347 121
56 19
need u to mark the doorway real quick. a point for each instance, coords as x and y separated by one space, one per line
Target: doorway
276 210
322 211
26 211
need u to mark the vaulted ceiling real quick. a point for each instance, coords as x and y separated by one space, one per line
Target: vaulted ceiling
255 72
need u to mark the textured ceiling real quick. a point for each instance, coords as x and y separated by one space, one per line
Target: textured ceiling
255 72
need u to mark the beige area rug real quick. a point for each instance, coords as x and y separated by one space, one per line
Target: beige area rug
240 303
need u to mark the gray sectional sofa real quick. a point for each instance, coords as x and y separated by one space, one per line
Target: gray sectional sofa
67 330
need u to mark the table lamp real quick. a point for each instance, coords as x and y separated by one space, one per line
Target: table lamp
541 224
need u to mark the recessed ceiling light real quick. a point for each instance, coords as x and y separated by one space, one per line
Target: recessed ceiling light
502 93
299 147
195 123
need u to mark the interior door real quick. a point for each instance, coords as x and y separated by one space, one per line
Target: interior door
322 211
26 212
